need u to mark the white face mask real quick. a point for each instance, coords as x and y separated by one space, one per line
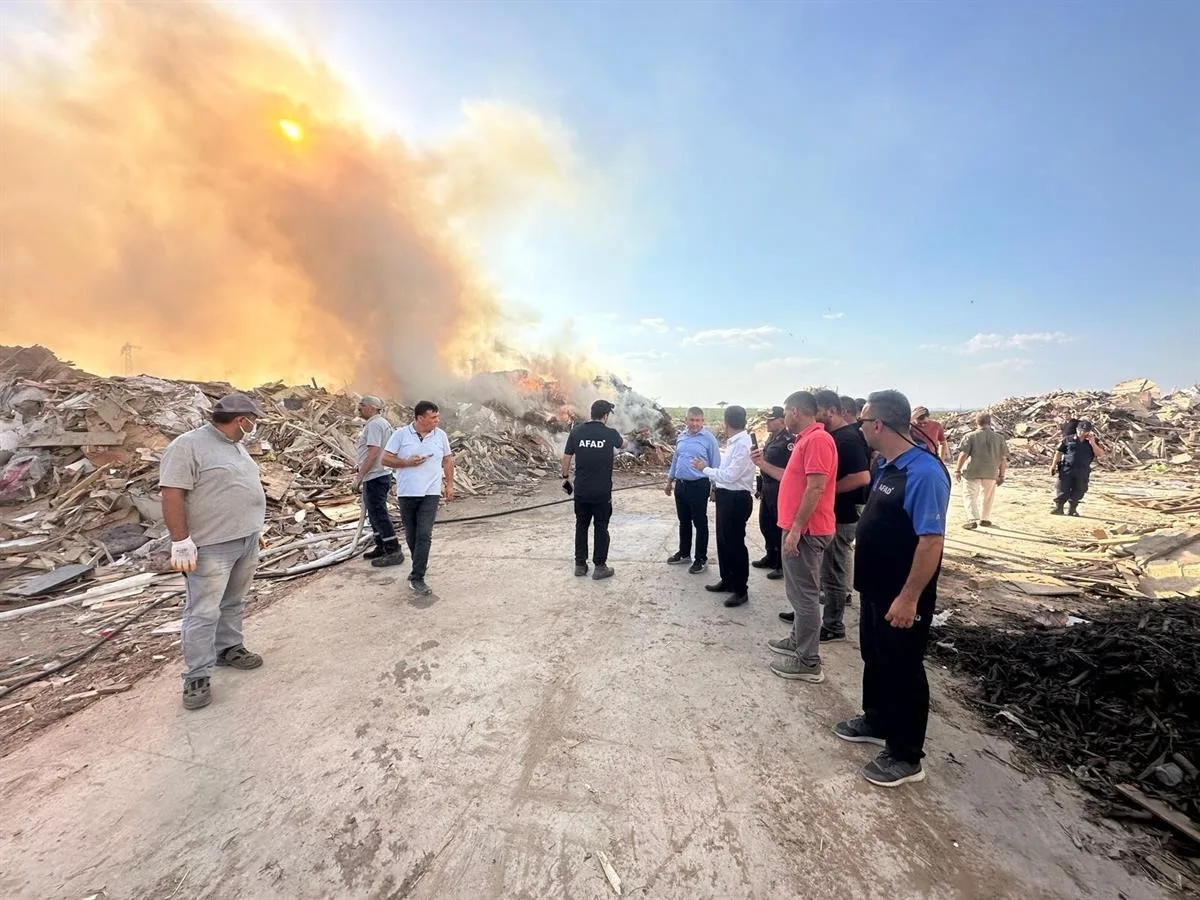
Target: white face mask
248 435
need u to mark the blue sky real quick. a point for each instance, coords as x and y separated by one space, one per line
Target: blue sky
963 201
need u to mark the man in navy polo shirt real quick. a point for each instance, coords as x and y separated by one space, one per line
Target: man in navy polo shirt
898 556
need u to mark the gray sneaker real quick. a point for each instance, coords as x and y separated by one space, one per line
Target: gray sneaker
420 587
784 646
581 569
602 572
887 771
196 693
857 731
791 668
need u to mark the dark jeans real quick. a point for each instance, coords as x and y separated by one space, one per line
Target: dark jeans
1072 485
585 514
691 506
895 689
733 512
768 524
375 499
418 514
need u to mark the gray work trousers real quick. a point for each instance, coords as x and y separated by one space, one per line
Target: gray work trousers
802 579
216 597
837 577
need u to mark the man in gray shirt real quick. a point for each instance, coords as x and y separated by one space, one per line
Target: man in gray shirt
986 456
375 482
215 508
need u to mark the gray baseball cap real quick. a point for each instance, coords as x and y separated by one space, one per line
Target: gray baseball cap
371 400
238 404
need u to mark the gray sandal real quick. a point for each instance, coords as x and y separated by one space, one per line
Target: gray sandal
239 658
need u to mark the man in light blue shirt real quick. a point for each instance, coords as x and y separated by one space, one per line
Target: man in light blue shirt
691 489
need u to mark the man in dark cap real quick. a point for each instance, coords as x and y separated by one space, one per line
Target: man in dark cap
214 508
1072 464
776 451
374 479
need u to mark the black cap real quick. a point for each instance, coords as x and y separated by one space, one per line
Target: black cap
776 413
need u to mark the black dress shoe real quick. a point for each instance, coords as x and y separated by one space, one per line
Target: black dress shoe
718 588
737 599
775 574
764 563
789 616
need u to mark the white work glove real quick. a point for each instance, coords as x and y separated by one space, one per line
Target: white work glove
183 555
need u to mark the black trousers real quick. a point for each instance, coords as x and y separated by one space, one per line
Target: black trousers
895 687
586 514
691 507
375 499
768 523
733 512
418 515
1072 485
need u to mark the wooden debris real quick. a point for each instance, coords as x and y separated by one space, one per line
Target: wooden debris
614 880
75 439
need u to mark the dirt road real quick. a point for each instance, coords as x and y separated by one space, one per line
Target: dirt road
485 742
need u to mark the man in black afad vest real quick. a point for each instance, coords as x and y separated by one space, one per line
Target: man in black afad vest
1073 465
776 451
592 446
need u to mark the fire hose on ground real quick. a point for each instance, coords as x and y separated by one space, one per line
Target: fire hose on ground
340 555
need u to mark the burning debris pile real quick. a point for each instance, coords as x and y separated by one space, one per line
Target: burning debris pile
79 455
1115 700
1137 425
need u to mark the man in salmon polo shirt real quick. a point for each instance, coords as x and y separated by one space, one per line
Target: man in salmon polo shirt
806 494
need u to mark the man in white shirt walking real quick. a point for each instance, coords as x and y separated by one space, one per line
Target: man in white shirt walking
734 482
420 454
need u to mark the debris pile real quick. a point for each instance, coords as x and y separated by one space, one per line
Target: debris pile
1136 424
1114 700
79 458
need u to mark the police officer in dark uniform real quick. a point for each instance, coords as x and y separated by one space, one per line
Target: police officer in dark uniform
1073 465
776 451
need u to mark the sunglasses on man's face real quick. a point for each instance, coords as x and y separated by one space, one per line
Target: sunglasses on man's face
862 421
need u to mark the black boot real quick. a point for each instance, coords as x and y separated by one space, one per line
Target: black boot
392 555
376 551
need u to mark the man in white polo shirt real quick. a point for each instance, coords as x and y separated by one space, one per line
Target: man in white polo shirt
420 454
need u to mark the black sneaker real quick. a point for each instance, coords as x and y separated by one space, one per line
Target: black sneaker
1073 512
829 637
764 563
857 731
887 771
395 558
1057 511
970 526
678 559
775 574
419 586
788 615
737 599
581 569
698 566
196 693
239 658
718 588
986 523
602 572
374 553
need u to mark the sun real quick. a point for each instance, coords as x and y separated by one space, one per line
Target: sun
292 131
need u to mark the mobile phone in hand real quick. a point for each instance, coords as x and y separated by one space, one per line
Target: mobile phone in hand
753 441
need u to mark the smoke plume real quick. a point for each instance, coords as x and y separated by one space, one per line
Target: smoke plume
184 183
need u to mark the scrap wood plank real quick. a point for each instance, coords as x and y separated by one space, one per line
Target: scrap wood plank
44 584
75 439
1177 820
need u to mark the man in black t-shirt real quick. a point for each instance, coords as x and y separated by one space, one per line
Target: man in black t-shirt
777 451
853 479
592 445
1073 464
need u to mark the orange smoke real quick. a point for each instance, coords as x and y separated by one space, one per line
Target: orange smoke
191 186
